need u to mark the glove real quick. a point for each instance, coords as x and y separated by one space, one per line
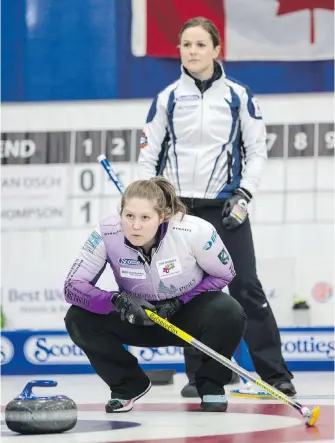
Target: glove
131 308
235 209
167 308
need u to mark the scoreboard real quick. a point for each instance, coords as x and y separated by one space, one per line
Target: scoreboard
52 180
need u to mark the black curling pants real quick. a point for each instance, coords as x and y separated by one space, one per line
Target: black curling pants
214 318
262 334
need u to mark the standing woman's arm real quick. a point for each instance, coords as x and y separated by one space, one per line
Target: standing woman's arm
153 135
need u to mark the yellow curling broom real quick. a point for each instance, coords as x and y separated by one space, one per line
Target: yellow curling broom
248 391
310 416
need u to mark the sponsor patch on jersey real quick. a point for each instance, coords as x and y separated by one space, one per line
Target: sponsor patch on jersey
113 232
168 267
163 289
258 112
143 140
136 274
223 257
129 262
181 229
210 242
188 97
92 242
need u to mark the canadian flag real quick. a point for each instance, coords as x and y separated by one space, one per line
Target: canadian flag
250 29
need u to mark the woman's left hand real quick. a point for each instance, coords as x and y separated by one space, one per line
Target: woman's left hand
167 308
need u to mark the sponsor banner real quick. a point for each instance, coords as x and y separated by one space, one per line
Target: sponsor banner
42 352
26 308
53 350
307 346
7 351
32 286
167 354
304 349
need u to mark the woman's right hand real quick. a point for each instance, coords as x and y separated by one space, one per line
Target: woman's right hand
131 308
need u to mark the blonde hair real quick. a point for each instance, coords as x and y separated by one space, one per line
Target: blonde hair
157 190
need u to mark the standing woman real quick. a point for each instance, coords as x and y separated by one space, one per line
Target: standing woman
205 134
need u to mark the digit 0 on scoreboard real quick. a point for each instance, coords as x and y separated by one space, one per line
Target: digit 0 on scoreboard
86 180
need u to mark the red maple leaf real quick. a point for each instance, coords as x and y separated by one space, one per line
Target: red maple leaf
288 6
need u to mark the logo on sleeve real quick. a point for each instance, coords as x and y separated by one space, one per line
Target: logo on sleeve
258 112
92 242
223 257
168 267
143 140
211 242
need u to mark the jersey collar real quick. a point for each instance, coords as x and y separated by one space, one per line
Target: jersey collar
205 84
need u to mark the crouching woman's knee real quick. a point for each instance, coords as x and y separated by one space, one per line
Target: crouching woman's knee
77 324
230 316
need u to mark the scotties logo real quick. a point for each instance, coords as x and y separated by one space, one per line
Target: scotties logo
129 262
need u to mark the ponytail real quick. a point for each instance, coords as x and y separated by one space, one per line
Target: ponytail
172 203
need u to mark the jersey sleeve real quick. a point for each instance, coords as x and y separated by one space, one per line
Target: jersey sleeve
79 287
153 136
254 141
212 256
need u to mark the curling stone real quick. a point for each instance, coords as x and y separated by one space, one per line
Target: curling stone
160 376
29 414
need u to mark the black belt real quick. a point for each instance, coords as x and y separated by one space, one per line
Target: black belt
202 202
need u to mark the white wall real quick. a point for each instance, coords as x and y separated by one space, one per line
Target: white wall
292 219
130 114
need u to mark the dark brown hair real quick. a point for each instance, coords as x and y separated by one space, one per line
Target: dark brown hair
206 24
158 190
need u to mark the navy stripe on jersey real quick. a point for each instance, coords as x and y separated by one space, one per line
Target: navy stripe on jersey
152 110
221 163
171 107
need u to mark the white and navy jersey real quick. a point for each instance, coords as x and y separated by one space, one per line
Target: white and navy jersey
206 144
189 258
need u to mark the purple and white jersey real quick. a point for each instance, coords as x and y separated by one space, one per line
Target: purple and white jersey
189 258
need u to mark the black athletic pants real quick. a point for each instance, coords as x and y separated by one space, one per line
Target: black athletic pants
214 318
261 335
